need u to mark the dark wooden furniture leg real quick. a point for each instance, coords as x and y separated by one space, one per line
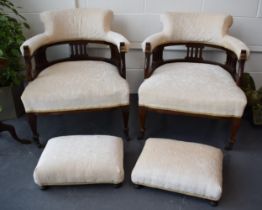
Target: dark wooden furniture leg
213 203
125 113
43 187
137 186
118 185
32 120
11 130
142 119
235 124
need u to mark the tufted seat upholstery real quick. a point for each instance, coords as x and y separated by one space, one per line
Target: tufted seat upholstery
193 88
76 85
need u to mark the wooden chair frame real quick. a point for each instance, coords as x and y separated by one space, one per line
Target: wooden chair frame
78 51
194 54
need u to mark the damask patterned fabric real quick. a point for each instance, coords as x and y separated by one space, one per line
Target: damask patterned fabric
189 168
76 24
196 27
75 160
76 85
193 88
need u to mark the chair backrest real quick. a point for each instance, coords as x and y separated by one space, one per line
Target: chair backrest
75 24
195 32
79 30
196 27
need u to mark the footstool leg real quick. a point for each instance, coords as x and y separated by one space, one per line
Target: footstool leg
233 135
43 187
213 203
32 120
118 185
142 118
125 113
137 186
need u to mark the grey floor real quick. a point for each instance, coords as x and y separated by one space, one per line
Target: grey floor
242 167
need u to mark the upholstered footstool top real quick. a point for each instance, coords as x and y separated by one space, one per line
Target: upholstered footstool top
83 159
189 168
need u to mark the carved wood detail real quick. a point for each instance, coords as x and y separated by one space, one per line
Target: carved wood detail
194 53
78 51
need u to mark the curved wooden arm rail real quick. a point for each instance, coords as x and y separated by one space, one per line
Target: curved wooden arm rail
79 50
195 54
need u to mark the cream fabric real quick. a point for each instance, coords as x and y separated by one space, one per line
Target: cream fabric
76 24
183 167
76 85
193 88
196 27
72 160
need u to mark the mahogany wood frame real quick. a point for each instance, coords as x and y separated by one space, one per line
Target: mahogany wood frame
194 54
78 51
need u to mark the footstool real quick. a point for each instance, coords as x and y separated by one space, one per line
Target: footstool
183 167
82 159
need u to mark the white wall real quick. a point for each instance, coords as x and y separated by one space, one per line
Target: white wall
137 19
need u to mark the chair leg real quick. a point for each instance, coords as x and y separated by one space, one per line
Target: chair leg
125 113
235 124
142 119
32 120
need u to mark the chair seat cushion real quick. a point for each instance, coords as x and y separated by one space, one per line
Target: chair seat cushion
73 160
76 85
189 168
193 88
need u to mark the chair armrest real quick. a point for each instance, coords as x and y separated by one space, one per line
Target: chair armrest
154 40
242 52
117 39
42 39
34 43
237 46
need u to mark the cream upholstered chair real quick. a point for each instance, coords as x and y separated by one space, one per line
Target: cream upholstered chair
195 84
79 81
